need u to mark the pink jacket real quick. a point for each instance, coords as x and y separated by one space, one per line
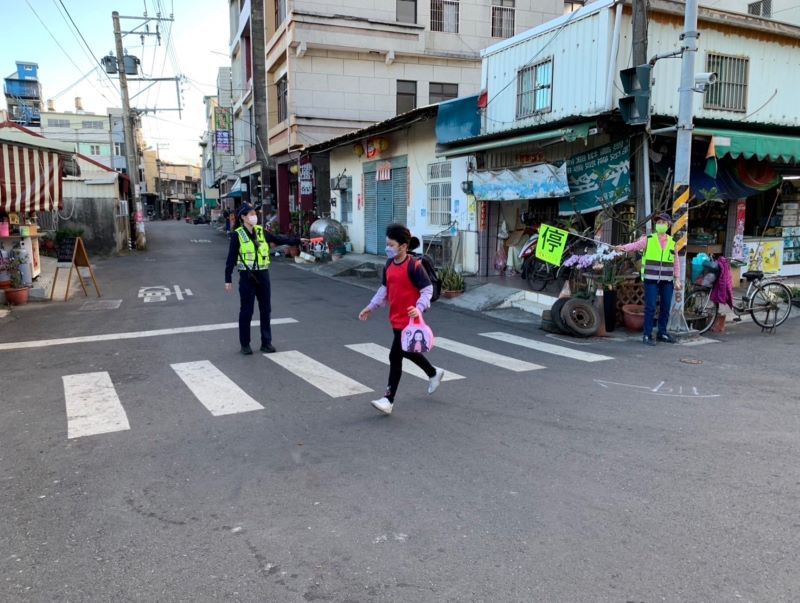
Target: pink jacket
641 244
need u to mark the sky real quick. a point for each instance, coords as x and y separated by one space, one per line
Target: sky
198 46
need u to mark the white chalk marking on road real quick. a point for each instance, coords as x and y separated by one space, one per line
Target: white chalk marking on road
93 406
214 389
324 378
381 354
699 341
506 362
547 348
178 293
43 343
657 390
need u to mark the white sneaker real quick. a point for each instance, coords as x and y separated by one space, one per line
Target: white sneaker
435 381
383 405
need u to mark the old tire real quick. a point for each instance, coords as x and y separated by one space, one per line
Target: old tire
581 317
555 316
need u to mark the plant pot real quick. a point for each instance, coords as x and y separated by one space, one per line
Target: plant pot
633 317
610 309
451 294
17 297
719 324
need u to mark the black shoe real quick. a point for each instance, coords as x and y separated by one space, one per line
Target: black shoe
247 350
268 348
647 340
666 338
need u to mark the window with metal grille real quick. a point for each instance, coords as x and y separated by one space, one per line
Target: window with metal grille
438 92
570 6
444 16
503 18
439 193
407 11
729 93
760 9
535 88
346 199
406 96
283 105
92 125
58 123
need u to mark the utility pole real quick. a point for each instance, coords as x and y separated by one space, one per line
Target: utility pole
127 122
683 151
641 142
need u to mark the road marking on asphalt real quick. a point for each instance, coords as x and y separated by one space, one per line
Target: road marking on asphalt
699 341
381 354
547 348
43 343
659 389
93 406
217 392
324 378
506 362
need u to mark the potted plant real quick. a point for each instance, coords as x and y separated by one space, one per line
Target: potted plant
452 282
17 294
606 268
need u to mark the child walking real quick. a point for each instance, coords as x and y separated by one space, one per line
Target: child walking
407 289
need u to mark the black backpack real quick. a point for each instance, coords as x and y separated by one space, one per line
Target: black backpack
427 264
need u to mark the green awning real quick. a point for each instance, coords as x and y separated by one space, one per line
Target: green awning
569 134
735 144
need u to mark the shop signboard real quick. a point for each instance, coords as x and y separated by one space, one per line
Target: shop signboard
222 141
598 178
543 181
737 252
222 118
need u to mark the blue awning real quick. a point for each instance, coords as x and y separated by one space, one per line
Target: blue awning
458 119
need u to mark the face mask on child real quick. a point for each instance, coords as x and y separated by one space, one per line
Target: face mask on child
661 228
391 252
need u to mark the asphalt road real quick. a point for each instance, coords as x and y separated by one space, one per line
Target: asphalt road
641 477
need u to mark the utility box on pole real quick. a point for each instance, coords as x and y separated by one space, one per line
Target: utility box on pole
635 105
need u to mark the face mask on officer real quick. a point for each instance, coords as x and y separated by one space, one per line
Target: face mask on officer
253 219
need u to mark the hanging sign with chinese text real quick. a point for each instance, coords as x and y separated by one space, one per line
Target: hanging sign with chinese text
551 244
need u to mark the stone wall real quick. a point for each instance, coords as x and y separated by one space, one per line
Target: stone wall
103 231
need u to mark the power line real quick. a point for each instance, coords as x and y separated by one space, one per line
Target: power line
94 56
68 55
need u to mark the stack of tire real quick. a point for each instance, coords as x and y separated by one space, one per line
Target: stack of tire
572 316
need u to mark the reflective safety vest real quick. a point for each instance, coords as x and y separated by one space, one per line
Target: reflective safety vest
250 256
658 264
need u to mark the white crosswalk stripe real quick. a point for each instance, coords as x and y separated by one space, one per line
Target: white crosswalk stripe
214 389
93 406
324 378
507 362
547 348
381 354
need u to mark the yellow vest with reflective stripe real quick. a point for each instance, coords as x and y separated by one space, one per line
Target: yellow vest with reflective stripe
250 256
658 264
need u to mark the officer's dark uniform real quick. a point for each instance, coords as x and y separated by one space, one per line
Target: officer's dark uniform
249 252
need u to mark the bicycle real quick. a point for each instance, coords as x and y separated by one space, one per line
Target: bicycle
539 273
768 301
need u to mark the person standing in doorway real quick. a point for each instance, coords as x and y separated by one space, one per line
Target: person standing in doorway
249 252
407 289
661 273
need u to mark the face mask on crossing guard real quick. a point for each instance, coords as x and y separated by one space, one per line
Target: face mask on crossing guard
391 252
661 228
253 220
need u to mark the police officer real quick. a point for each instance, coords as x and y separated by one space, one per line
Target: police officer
661 272
249 252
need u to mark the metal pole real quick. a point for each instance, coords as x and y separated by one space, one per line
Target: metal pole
640 141
683 154
127 123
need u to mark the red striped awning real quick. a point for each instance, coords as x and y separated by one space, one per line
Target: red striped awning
30 179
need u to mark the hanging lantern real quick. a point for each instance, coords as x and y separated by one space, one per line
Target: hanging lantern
383 144
294 169
358 149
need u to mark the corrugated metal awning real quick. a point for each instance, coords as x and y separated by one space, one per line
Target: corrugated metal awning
752 144
30 179
569 133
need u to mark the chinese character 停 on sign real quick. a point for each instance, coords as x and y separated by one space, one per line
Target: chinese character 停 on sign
551 244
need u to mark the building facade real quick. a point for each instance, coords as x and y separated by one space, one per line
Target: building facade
101 137
176 187
23 93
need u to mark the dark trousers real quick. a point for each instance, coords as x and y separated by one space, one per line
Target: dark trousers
396 356
252 286
660 291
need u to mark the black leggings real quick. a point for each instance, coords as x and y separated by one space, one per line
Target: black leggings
396 356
